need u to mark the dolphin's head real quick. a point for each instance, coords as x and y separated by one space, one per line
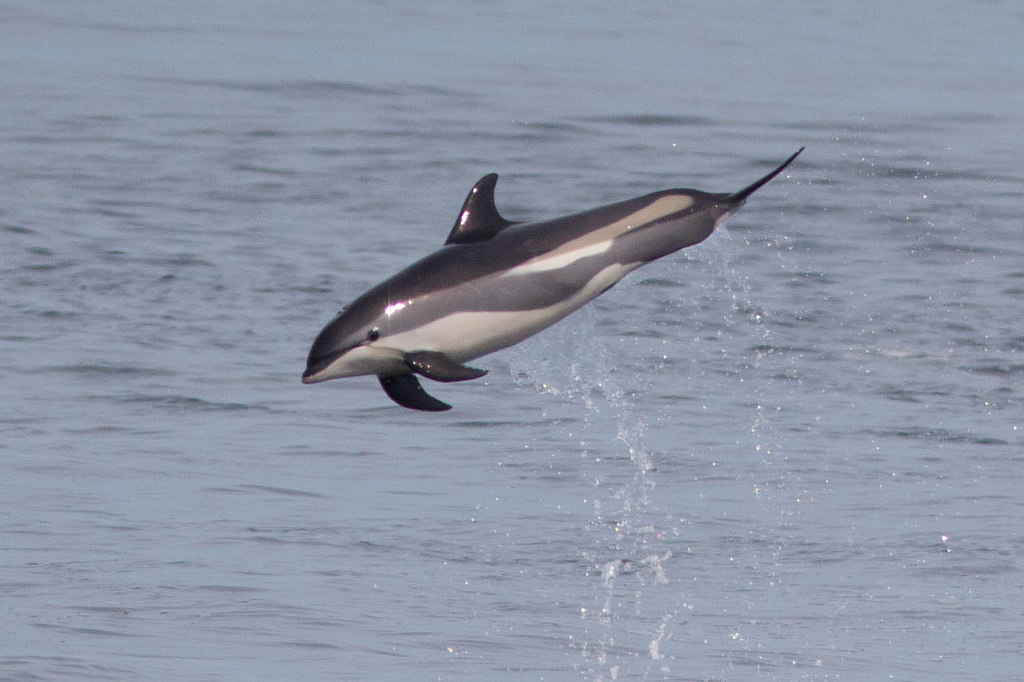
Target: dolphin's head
351 345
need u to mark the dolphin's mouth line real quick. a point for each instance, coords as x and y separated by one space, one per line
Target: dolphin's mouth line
321 363
385 360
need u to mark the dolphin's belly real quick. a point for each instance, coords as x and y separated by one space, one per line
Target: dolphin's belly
464 334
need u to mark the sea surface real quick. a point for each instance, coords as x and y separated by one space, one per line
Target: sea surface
792 452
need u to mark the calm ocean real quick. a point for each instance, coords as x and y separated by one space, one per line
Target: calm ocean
793 452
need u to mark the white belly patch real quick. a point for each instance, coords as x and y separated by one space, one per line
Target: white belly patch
470 334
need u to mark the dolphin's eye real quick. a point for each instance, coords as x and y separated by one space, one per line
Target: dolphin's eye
373 334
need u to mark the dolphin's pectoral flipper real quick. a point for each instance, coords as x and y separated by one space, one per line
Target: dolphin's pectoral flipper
440 367
405 390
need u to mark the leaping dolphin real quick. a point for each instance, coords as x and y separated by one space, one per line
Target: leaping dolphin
495 283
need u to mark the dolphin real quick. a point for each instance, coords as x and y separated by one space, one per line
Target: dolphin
496 282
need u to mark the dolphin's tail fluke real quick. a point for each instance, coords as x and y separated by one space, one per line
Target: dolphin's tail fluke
741 196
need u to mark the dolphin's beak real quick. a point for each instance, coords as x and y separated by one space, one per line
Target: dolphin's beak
358 360
315 366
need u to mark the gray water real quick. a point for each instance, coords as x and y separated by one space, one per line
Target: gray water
793 452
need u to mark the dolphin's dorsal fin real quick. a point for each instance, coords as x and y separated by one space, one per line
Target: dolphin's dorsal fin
479 219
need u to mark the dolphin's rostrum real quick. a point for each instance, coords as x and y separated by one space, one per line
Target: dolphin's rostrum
496 282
